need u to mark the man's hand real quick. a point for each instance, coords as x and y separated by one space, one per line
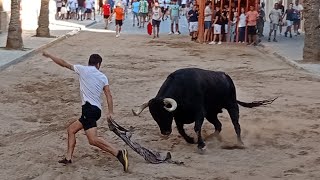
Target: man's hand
58 61
110 116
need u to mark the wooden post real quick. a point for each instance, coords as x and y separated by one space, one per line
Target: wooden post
202 6
230 20
246 33
239 13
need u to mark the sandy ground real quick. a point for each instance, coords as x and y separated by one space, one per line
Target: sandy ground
39 100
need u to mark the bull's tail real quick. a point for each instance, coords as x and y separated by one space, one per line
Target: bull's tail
256 103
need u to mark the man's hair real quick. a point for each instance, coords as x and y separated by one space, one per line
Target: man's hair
95 59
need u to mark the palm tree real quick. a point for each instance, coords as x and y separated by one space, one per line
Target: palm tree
43 21
311 51
14 39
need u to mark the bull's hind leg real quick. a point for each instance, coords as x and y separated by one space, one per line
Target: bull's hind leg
213 119
233 111
183 134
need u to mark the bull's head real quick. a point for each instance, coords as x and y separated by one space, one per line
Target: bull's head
161 111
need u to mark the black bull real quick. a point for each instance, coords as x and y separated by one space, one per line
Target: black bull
190 95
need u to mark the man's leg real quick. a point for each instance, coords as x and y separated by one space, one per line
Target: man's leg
94 140
72 130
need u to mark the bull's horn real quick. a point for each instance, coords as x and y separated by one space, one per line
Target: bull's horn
170 101
141 108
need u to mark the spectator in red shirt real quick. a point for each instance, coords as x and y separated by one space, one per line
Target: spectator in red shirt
106 12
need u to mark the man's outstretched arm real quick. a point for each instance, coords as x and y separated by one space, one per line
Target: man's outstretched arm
58 61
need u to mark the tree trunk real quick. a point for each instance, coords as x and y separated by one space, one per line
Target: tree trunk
14 39
43 21
311 51
202 6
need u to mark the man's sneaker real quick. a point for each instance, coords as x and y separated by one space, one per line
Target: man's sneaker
170 33
212 43
285 34
123 158
219 42
176 33
290 35
117 35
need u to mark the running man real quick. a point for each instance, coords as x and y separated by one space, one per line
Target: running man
119 18
92 84
106 12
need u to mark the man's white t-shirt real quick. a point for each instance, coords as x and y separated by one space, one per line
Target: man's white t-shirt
207 11
183 1
92 82
299 7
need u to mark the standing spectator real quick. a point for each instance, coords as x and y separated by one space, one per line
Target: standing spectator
100 10
252 17
156 19
143 12
193 20
207 21
225 22
289 18
218 22
260 22
274 16
135 12
242 26
175 16
183 7
106 12
81 9
297 16
281 23
119 11
73 8
89 6
234 18
59 6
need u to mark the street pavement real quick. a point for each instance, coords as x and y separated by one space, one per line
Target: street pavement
288 49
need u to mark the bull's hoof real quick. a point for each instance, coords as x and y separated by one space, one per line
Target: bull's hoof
190 140
202 150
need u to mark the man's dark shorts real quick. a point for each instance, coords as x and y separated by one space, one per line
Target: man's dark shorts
296 22
252 30
90 115
88 11
155 23
119 22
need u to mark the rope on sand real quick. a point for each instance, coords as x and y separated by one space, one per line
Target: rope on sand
150 156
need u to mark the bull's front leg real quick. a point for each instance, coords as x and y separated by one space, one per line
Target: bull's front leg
183 133
197 129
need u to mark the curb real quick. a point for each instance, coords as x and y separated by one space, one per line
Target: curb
292 63
36 50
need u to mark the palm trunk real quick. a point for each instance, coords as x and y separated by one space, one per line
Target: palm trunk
14 39
43 21
311 51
